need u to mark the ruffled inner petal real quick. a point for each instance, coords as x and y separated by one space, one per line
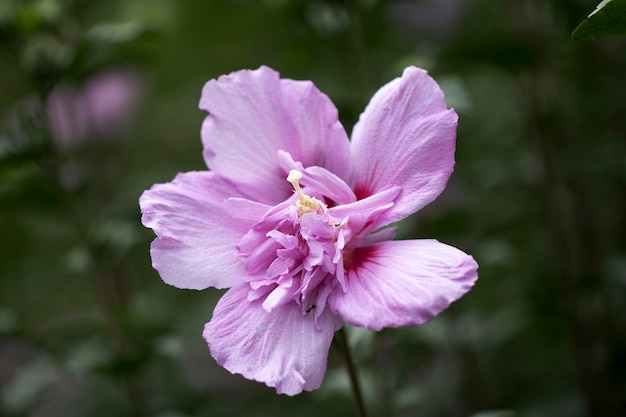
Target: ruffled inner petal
296 251
369 214
319 181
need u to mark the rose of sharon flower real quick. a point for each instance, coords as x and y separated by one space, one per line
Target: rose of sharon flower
292 215
102 107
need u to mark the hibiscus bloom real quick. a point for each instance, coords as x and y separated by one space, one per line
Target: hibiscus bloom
292 219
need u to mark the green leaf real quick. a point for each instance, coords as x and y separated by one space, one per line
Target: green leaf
116 32
608 19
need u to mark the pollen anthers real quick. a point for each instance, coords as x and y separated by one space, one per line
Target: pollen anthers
306 204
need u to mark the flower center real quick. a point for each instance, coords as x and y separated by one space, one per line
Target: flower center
295 253
306 204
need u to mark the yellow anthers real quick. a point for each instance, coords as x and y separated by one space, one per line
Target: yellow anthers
306 204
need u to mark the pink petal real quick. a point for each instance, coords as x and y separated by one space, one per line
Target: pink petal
196 237
405 137
284 349
402 283
368 214
255 114
319 181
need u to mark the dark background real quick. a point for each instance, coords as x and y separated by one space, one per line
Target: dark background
538 197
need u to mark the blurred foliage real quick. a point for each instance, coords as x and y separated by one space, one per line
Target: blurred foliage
87 328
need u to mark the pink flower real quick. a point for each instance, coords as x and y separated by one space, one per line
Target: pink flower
102 107
290 218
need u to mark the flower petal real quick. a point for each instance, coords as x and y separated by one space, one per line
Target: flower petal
405 137
253 115
196 237
322 182
284 349
402 283
368 214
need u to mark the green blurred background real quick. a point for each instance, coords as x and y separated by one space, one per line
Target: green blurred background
98 101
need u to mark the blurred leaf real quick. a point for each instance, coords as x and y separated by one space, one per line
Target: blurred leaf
170 345
24 389
8 12
48 11
609 19
155 14
456 93
78 259
116 32
8 320
116 237
360 340
327 19
44 53
89 356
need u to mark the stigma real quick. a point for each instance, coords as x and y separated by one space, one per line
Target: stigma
306 204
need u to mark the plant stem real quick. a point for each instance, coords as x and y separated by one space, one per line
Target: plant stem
352 372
